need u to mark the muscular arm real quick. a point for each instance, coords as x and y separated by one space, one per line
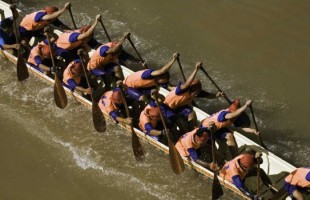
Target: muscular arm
90 31
250 130
151 131
50 17
124 120
166 67
9 46
239 110
191 77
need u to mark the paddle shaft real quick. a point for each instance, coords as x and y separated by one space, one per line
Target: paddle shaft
217 190
137 52
182 72
162 117
213 82
213 147
71 15
258 177
136 145
98 118
256 128
105 30
60 95
50 46
85 74
176 161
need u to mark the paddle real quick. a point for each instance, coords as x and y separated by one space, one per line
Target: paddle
217 190
137 52
256 128
176 160
136 145
105 30
60 95
98 118
182 72
22 70
258 177
71 15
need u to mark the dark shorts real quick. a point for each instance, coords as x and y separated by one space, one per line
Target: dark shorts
65 54
25 34
220 134
184 111
169 114
136 93
108 69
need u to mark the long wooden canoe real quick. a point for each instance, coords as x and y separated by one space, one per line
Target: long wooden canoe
274 166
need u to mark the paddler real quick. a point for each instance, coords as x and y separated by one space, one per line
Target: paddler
32 25
71 40
226 117
72 77
298 182
236 170
150 122
112 104
141 83
40 57
7 36
104 61
193 143
180 98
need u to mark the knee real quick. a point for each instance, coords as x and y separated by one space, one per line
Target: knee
117 69
230 137
192 116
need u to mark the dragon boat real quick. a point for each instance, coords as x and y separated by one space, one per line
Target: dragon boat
275 167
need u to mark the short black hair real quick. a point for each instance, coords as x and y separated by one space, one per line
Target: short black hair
7 23
201 130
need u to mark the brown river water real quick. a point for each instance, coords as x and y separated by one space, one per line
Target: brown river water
256 50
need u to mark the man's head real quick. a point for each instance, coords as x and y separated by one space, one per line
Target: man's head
246 162
234 106
154 113
76 69
202 135
50 9
117 98
7 25
46 52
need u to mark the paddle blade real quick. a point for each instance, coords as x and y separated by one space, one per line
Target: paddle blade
98 118
217 190
136 146
176 161
60 96
22 70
